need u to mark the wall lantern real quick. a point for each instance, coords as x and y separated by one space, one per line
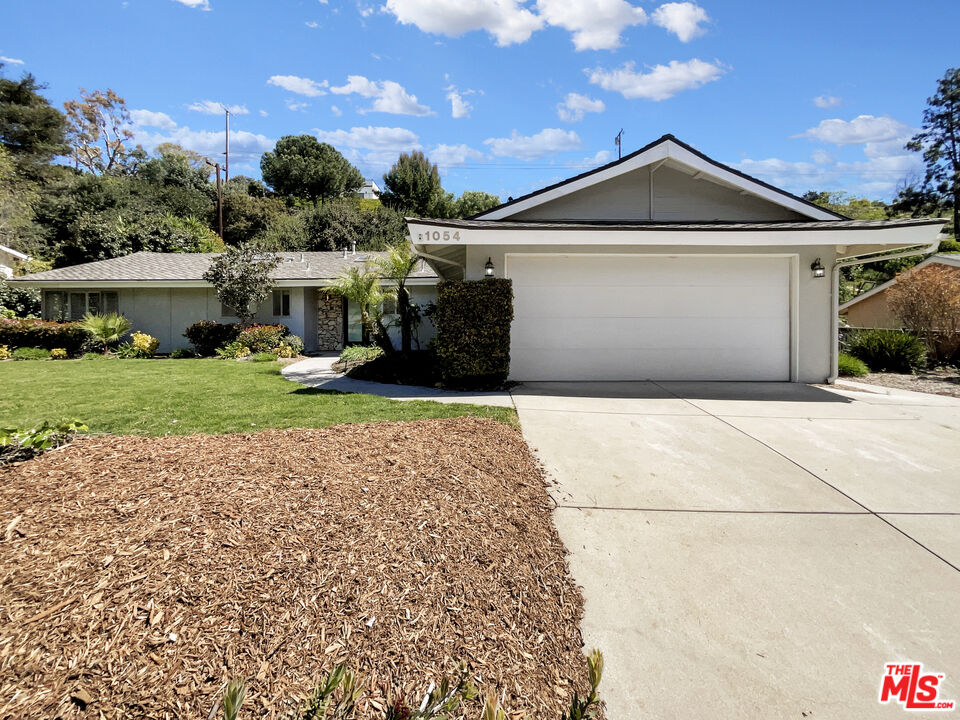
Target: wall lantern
817 268
488 268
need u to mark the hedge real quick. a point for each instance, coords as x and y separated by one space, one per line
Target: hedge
473 332
206 336
17 333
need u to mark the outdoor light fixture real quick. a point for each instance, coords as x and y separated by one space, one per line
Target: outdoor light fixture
488 268
817 268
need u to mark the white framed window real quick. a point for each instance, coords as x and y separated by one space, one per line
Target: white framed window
281 303
62 305
227 311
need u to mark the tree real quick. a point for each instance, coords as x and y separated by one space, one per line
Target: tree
413 187
939 141
98 129
852 207
927 300
472 202
17 197
30 129
106 329
396 267
302 166
242 278
363 289
175 166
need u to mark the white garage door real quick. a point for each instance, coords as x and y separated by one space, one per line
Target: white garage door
630 317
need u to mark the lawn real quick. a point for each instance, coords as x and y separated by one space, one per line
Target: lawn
161 397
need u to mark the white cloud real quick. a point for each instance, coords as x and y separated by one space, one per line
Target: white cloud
264 113
452 155
365 12
312 24
827 101
389 96
682 19
822 157
148 118
198 4
296 106
507 20
299 85
531 147
601 158
374 148
12 61
660 83
459 108
575 105
209 107
862 129
336 111
243 144
595 25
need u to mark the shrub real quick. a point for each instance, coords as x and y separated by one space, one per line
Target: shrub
926 300
473 332
182 354
58 354
4 352
206 336
37 333
31 354
360 354
888 350
233 351
106 329
263 357
849 366
949 246
24 443
141 346
294 342
262 338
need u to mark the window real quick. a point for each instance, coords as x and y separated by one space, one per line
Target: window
227 311
354 325
281 303
59 305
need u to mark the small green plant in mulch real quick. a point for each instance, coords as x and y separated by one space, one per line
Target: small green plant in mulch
356 354
18 444
849 366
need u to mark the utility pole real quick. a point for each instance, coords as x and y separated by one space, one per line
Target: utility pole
618 141
216 166
226 167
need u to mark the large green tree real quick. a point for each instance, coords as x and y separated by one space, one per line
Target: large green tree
98 128
939 141
241 276
472 202
31 130
412 186
301 166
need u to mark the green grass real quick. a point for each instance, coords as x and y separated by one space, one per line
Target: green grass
178 397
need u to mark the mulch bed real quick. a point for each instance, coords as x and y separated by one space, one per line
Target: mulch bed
144 572
942 381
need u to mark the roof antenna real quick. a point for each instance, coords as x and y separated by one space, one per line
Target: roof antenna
618 140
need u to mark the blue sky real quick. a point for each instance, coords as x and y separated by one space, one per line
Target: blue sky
505 95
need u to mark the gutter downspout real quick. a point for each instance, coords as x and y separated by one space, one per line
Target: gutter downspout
835 292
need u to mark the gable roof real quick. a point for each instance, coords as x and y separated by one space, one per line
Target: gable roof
155 267
663 148
949 260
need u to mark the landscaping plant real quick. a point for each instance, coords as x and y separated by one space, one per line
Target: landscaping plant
16 333
106 329
355 354
58 354
25 353
849 366
233 696
18 444
4 352
262 338
888 350
141 346
233 351
182 354
241 276
395 267
927 301
362 288
207 336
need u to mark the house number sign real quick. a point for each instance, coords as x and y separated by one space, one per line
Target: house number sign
438 235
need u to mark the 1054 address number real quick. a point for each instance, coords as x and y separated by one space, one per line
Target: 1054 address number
437 235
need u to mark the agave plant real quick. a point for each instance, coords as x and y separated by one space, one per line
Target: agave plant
106 329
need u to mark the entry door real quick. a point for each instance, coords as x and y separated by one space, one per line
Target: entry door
636 317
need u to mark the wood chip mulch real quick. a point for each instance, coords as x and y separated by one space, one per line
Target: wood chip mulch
138 574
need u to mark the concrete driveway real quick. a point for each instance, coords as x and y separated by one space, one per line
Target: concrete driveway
756 550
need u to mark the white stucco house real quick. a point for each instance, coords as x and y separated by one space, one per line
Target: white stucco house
666 265
369 190
9 259
163 293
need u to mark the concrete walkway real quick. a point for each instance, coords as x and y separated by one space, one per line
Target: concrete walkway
317 372
756 550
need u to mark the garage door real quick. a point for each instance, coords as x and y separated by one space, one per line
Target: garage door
629 317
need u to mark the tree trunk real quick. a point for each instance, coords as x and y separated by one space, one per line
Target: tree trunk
403 309
956 210
382 338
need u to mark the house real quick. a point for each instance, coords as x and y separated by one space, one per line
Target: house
666 265
870 309
9 259
163 293
369 190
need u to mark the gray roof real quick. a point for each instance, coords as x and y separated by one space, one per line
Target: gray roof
185 267
675 226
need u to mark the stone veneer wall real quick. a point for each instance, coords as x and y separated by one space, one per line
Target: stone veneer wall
329 321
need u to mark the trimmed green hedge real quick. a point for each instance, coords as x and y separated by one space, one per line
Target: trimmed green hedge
206 336
16 333
473 332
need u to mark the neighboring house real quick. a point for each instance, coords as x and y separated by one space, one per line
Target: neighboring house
666 265
163 293
369 190
9 259
870 309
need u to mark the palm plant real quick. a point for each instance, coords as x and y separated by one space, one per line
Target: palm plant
363 289
396 266
106 329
